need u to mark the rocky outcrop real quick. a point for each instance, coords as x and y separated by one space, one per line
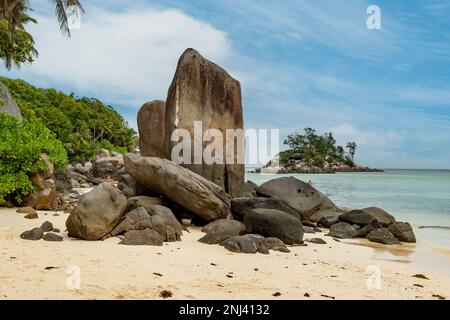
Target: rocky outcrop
151 126
8 104
241 206
220 230
383 236
137 219
202 91
45 198
274 223
97 213
358 217
108 167
342 230
403 231
253 243
191 191
145 237
297 194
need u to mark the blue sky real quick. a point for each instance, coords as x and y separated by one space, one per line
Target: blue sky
310 63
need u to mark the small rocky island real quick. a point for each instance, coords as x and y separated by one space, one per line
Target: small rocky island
313 153
147 199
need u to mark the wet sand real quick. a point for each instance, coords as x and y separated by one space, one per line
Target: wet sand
192 270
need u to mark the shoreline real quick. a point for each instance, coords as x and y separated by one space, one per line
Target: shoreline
192 270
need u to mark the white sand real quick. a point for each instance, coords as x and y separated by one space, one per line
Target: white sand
112 271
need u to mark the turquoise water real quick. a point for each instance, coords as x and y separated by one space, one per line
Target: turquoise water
421 197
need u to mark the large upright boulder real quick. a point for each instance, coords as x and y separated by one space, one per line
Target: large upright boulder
203 91
7 103
182 186
97 213
151 126
298 195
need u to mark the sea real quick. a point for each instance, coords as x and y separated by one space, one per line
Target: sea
420 197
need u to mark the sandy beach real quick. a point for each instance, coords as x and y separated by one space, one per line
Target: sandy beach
192 270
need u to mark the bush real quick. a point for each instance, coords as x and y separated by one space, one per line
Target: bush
21 145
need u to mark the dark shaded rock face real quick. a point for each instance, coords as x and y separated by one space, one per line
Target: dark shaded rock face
145 237
297 194
165 223
241 206
202 91
191 191
358 217
47 226
382 216
143 201
127 185
253 243
342 230
7 103
34 234
220 230
97 213
327 221
274 223
138 219
403 232
364 231
316 241
52 237
382 235
151 125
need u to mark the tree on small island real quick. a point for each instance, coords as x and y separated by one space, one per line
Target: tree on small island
311 147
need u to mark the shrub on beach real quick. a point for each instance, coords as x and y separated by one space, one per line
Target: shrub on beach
21 146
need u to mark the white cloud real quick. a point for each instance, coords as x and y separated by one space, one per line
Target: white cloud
126 57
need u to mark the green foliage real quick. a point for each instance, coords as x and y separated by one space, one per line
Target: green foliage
18 47
21 145
317 148
83 125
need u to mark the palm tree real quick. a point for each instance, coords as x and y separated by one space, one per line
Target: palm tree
14 15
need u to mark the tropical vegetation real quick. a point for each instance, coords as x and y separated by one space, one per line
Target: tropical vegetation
317 148
83 125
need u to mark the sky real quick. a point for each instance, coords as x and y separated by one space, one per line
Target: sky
301 63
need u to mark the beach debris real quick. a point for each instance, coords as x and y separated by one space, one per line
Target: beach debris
276 294
327 296
213 264
52 237
222 229
307 295
33 234
418 285
420 276
50 268
434 227
439 297
56 215
165 294
157 274
47 226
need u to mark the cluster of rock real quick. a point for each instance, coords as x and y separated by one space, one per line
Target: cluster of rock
46 231
296 164
154 194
